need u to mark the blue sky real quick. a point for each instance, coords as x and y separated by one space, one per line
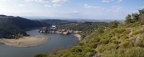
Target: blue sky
72 9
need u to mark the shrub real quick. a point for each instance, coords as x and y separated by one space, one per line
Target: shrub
89 54
93 45
105 41
138 32
81 44
40 55
76 49
134 52
119 30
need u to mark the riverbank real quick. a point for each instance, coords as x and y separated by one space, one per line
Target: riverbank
29 41
78 36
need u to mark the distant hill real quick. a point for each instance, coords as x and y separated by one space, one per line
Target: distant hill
57 21
13 27
118 40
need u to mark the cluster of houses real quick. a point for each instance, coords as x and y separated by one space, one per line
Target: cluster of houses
55 30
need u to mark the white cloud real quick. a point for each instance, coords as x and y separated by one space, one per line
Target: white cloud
87 6
59 1
119 0
75 11
45 1
93 7
56 5
107 0
22 5
2 0
116 9
48 5
29 0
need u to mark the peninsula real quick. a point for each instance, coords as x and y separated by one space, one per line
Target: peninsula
29 41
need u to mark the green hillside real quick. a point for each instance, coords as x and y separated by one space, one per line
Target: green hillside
118 40
57 21
13 27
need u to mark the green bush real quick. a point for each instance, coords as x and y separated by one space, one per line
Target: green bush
81 44
89 54
119 30
124 44
76 49
93 45
115 42
40 55
138 32
105 41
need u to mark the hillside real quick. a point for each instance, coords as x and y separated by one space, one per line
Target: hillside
57 21
13 27
123 40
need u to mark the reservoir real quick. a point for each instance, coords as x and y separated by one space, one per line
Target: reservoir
57 42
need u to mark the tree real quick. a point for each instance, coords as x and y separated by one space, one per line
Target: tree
128 19
141 11
100 29
135 17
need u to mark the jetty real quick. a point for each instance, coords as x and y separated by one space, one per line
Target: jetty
55 30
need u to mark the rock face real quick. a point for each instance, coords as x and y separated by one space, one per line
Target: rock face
29 41
142 17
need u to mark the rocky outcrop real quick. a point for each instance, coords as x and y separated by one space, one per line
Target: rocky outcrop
142 17
58 31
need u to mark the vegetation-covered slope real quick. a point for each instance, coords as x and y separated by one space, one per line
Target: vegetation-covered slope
12 27
123 40
85 27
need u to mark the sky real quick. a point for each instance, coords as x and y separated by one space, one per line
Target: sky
71 9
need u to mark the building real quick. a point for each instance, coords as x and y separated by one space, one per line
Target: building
53 27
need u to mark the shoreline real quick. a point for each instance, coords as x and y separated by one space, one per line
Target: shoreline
27 41
78 36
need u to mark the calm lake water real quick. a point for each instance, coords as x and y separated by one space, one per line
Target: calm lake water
57 42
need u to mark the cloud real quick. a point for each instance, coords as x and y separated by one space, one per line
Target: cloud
142 6
75 11
107 0
59 1
44 1
93 7
29 0
56 5
48 5
2 0
116 9
22 5
87 6
47 1
119 0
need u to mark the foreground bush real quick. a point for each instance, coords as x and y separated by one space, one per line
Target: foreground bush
130 52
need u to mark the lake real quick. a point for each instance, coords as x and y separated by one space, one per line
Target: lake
57 42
